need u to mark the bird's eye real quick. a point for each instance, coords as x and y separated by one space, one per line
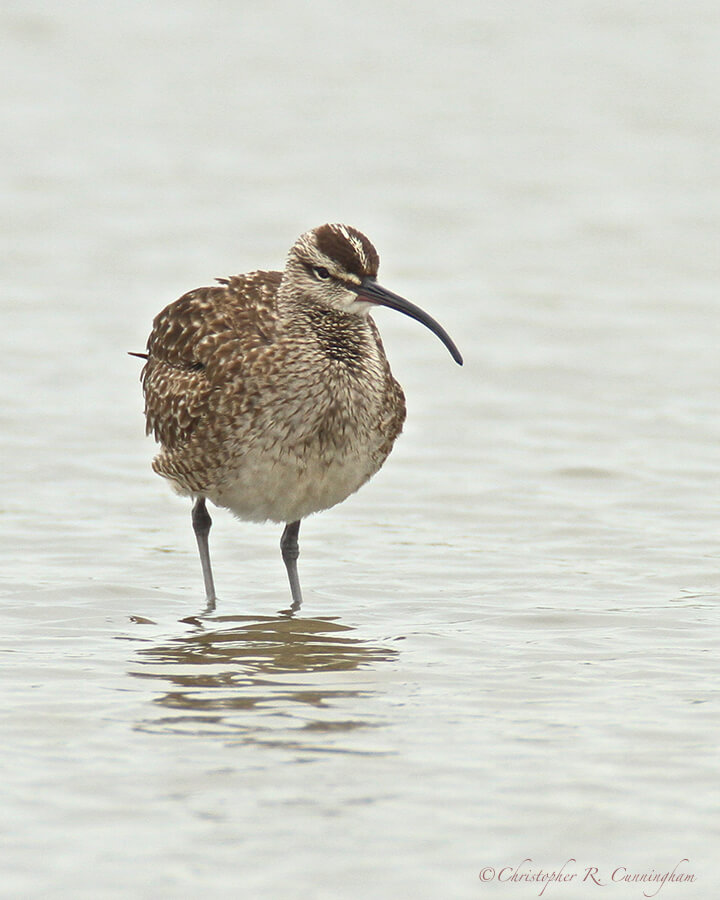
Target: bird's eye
321 273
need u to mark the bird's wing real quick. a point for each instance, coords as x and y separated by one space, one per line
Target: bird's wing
201 344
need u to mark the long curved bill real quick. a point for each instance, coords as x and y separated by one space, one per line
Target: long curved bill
371 291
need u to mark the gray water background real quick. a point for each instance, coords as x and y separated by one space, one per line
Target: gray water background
509 643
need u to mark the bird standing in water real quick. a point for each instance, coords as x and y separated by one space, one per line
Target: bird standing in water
271 395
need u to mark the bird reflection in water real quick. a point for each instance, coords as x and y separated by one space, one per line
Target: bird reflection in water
273 680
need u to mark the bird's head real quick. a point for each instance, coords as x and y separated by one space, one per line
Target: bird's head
336 265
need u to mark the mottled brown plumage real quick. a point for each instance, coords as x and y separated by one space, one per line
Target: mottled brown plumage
270 394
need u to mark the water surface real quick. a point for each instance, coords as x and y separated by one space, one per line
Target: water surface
509 644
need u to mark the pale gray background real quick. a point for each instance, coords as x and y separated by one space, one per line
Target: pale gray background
509 643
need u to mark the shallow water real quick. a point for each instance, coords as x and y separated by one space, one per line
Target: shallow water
509 646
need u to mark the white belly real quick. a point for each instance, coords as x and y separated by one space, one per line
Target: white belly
288 488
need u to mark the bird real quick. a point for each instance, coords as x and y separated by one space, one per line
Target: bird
270 393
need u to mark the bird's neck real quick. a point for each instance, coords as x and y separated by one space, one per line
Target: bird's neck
341 336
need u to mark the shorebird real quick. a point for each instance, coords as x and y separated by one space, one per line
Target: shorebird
270 393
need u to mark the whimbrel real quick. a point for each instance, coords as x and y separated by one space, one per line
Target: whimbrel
271 395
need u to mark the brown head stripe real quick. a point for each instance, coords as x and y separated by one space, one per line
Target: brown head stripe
333 243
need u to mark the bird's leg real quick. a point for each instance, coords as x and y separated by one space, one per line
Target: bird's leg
201 526
290 552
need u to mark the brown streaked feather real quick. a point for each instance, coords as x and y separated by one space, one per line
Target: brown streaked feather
197 344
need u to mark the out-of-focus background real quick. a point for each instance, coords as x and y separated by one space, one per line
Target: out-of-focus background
509 646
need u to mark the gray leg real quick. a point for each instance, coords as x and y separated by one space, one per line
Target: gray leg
290 553
201 526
